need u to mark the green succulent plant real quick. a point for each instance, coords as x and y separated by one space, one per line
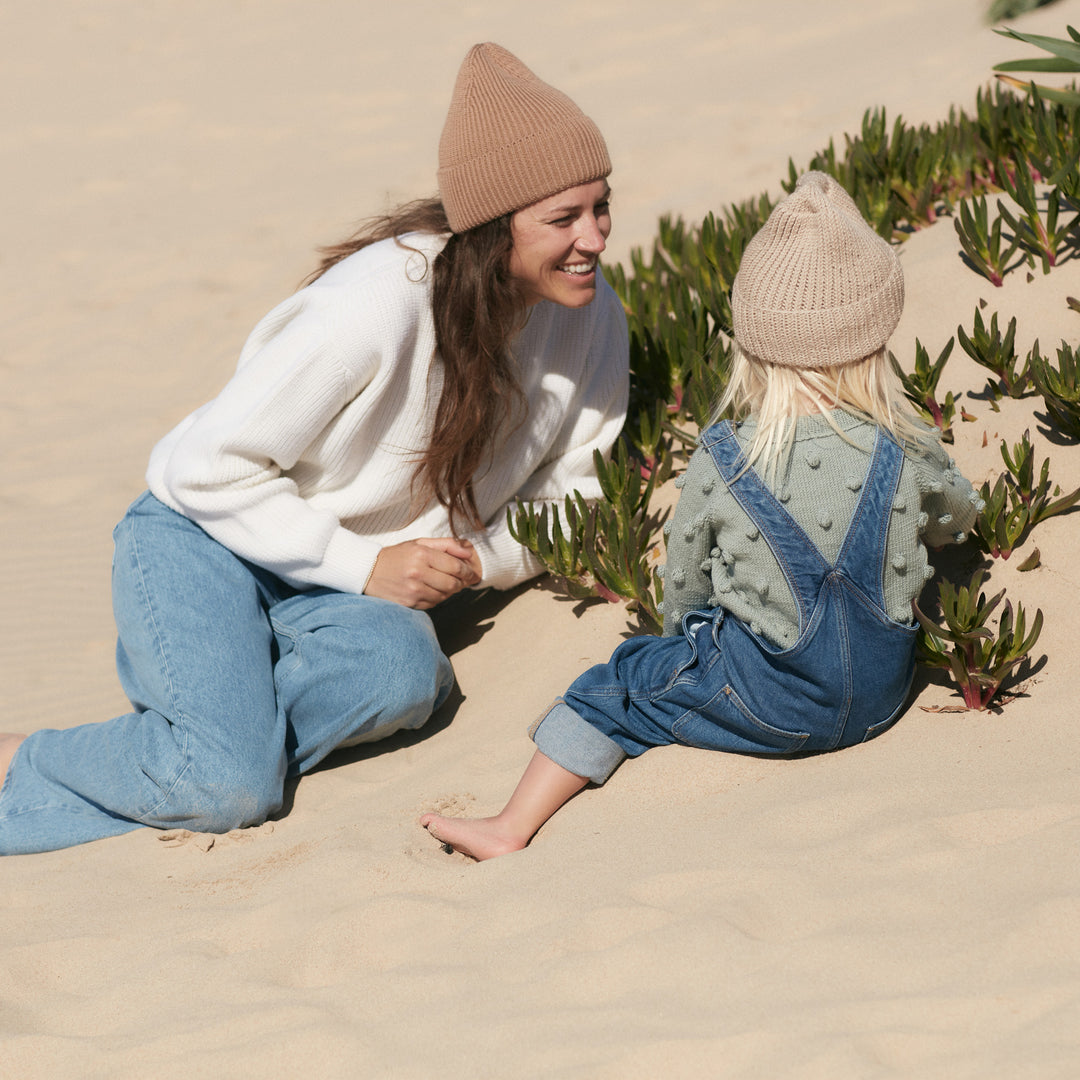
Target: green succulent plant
921 388
991 349
609 548
1064 58
976 657
1059 386
1041 237
987 250
1018 502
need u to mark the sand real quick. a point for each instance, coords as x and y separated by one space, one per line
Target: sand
910 908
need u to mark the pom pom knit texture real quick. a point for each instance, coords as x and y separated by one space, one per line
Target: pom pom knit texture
716 557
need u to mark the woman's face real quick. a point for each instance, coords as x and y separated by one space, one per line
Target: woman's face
557 242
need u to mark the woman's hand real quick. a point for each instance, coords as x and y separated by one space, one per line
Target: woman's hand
423 573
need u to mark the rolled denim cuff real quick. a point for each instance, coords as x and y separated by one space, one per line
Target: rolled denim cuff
562 735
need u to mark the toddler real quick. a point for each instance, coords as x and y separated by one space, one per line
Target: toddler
798 544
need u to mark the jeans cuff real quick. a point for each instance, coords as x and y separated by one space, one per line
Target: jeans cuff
562 735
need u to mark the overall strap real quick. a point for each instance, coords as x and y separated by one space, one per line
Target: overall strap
802 564
862 554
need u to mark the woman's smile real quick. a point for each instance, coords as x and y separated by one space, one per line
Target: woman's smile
558 242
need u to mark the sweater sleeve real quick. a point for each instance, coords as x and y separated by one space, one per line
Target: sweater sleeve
591 421
226 466
949 504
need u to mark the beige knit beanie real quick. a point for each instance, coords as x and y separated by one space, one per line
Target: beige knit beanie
511 140
817 287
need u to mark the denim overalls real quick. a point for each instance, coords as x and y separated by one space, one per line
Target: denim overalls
720 686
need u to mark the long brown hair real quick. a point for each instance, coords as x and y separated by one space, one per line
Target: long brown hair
477 307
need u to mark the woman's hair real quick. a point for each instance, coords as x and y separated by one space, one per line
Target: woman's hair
477 307
868 389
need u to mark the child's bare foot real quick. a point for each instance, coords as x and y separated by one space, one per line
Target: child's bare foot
479 838
8 745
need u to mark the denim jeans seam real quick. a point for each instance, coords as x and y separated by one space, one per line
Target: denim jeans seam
704 667
605 691
283 669
178 718
7 788
867 602
844 712
733 695
873 730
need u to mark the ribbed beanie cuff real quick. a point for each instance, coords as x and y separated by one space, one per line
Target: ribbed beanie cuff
817 287
510 140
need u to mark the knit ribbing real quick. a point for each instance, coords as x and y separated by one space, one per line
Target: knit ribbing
304 463
510 140
817 287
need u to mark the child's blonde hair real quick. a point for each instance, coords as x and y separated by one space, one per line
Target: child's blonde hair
777 395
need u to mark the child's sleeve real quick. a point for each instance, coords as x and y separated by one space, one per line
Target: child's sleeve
687 578
949 503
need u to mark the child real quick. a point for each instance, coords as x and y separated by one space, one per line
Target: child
797 546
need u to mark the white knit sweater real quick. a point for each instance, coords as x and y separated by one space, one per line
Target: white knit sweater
303 463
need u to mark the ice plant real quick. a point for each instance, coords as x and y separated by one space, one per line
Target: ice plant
978 659
1037 497
982 242
1017 502
1060 388
1000 525
920 387
608 549
619 539
991 349
1064 58
542 533
649 441
1042 239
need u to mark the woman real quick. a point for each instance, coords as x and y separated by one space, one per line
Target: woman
271 585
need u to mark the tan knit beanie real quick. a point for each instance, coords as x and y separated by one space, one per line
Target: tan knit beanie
511 140
817 287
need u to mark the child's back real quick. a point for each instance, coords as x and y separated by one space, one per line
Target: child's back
717 557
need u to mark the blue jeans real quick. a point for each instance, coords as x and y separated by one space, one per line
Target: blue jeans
237 681
720 686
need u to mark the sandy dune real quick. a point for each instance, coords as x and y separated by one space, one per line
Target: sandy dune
906 909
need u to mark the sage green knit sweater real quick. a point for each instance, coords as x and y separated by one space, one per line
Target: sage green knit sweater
716 557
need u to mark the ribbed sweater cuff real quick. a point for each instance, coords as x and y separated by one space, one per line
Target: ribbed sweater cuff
348 561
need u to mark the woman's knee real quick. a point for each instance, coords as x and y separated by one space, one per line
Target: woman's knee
421 674
218 792
366 643
221 812
406 669
206 809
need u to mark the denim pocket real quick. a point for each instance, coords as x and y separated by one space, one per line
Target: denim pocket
725 723
877 729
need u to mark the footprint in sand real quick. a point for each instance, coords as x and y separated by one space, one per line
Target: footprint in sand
204 841
450 805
